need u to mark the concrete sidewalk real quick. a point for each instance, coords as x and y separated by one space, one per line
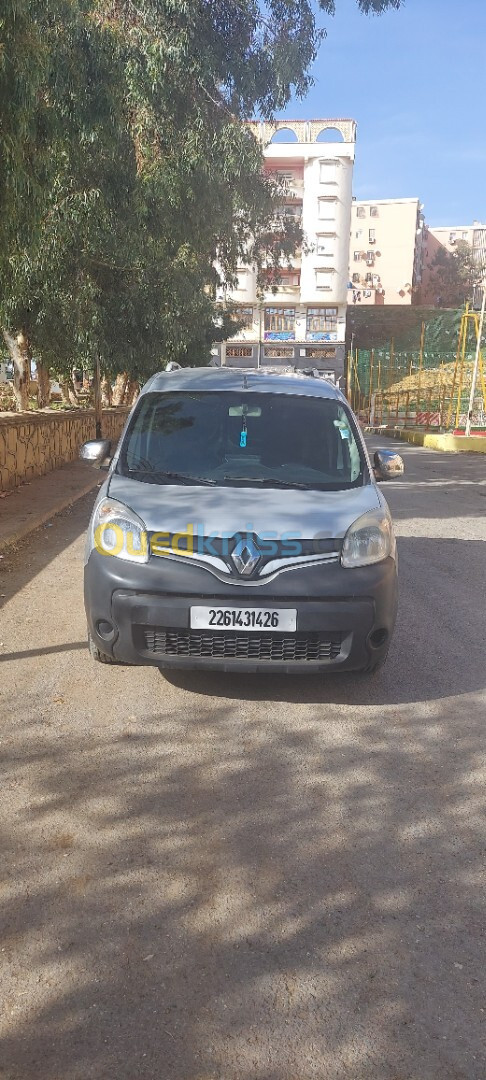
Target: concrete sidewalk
32 504
454 444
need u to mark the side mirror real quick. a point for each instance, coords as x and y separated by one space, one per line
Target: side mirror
97 452
387 465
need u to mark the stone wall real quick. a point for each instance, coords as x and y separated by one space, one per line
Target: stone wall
34 443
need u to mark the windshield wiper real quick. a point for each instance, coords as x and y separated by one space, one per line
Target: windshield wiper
271 481
184 478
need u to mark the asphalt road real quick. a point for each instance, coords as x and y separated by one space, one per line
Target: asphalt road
252 878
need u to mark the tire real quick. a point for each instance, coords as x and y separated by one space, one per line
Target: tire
375 665
96 654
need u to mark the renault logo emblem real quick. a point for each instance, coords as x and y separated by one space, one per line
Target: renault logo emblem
246 557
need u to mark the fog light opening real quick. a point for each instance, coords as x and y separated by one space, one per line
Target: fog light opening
378 638
105 629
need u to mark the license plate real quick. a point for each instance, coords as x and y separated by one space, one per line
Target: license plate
231 618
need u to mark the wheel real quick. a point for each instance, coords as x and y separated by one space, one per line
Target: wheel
96 654
375 665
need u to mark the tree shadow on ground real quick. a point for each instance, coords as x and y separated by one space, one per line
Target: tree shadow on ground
32 555
221 897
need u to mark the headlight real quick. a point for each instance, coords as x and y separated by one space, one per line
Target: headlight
369 540
117 531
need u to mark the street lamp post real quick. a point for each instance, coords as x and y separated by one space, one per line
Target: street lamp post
476 364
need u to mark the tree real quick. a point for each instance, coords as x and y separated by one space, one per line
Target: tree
151 176
453 275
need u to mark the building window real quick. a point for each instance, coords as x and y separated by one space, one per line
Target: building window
369 279
373 211
327 171
358 233
452 237
244 316
321 319
289 277
324 245
291 210
356 279
282 279
286 178
372 236
279 324
326 206
324 279
320 354
357 256
277 352
360 212
238 350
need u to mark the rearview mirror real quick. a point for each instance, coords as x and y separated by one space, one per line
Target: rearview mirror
97 452
388 465
244 410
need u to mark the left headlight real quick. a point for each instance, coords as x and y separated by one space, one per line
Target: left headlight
368 540
117 530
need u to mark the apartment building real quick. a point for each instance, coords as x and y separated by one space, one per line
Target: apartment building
446 238
385 258
303 322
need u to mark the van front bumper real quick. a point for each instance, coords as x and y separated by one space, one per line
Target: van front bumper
140 614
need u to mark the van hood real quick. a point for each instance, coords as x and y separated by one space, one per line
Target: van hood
219 511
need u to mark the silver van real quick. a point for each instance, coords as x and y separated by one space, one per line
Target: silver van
240 527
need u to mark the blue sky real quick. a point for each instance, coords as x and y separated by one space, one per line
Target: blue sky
415 80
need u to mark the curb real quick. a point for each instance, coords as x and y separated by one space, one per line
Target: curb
453 444
41 516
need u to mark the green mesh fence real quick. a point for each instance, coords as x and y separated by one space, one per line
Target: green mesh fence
403 391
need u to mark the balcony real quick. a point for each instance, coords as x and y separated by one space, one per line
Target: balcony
291 211
284 290
291 186
294 188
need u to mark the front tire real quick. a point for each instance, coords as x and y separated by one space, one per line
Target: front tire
96 654
375 665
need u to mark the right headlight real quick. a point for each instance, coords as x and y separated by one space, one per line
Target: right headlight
118 531
368 540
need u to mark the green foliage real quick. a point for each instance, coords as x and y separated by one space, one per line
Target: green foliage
128 171
453 275
376 327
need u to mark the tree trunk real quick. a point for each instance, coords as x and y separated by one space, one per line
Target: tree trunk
106 392
67 390
74 387
121 383
43 386
19 349
132 392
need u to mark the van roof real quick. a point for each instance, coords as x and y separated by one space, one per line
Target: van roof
237 379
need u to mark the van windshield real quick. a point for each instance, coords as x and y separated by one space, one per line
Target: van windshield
243 439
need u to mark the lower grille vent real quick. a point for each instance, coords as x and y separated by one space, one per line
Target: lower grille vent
229 645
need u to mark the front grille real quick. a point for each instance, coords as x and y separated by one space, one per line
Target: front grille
239 646
222 547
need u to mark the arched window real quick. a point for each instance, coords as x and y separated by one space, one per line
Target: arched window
284 135
330 134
